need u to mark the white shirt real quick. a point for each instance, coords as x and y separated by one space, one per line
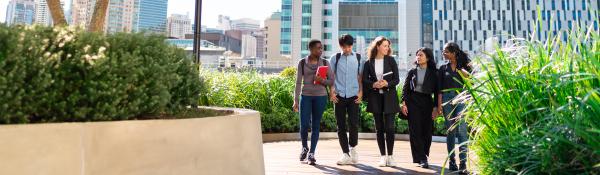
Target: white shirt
379 71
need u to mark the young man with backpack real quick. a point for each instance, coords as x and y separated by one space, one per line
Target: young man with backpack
346 94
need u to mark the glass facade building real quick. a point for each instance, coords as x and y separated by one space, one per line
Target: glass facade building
151 16
369 19
286 27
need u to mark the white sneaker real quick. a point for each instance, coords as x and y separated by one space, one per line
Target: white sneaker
383 161
353 155
390 161
345 160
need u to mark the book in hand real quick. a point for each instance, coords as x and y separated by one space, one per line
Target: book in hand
386 74
380 77
321 72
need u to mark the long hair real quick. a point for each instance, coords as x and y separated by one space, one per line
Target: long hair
462 58
372 50
430 59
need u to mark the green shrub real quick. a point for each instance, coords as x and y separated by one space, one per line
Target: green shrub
535 107
69 75
289 72
272 95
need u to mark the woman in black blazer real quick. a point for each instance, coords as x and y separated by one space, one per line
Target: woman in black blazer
420 85
380 78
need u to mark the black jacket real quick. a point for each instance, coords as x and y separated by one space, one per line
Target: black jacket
430 84
390 95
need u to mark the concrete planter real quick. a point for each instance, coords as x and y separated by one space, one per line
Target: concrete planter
215 145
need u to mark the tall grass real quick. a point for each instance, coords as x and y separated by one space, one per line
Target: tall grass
535 107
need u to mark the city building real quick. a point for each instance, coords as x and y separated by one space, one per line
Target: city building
473 24
81 12
245 24
42 13
248 46
224 23
230 40
260 43
20 12
151 16
286 28
179 26
121 16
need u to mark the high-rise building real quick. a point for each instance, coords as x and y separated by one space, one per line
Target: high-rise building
42 13
260 42
224 23
366 19
245 24
124 15
272 50
81 12
286 28
428 23
231 40
120 16
473 23
248 46
151 16
273 36
20 12
179 25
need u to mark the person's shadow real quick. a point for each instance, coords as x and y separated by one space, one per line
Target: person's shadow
365 169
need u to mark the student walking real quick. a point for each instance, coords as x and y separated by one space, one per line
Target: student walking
451 82
310 98
420 85
380 78
346 94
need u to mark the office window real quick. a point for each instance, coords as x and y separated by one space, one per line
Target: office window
326 35
327 12
326 1
306 20
305 33
306 8
327 47
327 24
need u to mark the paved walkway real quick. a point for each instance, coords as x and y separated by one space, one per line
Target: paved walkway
282 158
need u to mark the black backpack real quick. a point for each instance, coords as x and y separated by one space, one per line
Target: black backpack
303 62
337 60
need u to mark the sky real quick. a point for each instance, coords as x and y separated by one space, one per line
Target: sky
211 9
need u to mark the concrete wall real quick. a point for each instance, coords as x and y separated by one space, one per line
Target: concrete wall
215 145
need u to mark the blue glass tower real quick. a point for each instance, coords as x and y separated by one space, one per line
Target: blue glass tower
151 16
286 27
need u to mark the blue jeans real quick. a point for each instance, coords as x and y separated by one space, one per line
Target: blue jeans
457 128
311 110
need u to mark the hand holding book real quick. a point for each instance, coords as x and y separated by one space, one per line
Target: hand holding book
321 74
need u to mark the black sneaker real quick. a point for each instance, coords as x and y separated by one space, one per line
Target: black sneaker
303 153
424 164
311 159
453 167
463 168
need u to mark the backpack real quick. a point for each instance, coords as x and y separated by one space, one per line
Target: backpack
303 62
337 60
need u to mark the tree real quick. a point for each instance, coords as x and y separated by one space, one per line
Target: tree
99 16
57 12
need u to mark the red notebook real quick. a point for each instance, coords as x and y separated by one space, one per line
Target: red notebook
321 72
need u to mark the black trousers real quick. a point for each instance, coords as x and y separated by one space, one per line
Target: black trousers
420 125
385 126
347 107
